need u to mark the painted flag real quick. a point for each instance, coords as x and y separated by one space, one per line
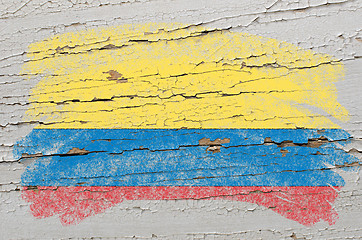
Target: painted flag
171 111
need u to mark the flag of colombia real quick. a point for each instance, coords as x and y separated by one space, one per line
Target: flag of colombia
172 111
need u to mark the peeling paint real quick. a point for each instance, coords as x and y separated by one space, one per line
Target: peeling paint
90 35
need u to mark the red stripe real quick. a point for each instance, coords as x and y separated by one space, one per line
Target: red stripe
306 205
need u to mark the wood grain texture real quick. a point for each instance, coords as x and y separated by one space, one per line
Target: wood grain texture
326 28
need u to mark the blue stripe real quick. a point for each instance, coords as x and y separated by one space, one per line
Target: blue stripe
131 157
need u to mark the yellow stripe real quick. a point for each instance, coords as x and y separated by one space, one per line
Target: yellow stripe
174 76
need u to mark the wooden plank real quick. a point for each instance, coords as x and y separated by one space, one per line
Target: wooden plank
180 119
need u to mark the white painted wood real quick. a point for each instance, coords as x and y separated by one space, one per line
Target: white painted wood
332 27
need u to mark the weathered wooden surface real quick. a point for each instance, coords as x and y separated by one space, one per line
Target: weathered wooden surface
325 27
